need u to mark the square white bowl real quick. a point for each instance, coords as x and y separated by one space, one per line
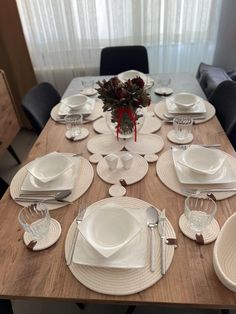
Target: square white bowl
108 229
49 167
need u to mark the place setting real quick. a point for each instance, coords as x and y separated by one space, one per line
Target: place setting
190 169
130 74
120 246
184 103
89 108
56 179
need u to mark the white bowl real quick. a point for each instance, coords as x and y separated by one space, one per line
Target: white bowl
129 75
108 229
203 160
185 100
49 167
75 102
224 254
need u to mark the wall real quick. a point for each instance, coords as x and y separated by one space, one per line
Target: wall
225 53
14 56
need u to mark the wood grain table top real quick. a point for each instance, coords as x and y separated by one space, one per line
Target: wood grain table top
190 281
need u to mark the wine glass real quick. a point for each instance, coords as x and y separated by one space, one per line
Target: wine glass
199 210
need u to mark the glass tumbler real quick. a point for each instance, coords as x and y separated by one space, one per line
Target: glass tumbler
88 86
182 127
35 219
199 210
74 124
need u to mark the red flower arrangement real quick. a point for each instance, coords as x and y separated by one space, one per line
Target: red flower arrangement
124 99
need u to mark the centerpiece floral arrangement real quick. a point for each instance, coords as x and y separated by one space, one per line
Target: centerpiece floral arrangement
123 100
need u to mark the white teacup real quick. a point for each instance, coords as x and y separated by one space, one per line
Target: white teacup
127 160
112 160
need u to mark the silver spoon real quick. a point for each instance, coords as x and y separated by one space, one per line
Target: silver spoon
59 197
152 221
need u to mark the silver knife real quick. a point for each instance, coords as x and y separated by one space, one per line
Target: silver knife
161 229
39 200
79 219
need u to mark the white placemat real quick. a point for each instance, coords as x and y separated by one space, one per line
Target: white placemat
97 112
121 281
160 109
167 174
83 181
136 173
145 144
105 144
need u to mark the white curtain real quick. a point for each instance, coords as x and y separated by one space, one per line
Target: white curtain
65 37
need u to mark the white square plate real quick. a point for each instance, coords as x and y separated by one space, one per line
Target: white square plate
63 182
132 255
198 108
187 176
86 110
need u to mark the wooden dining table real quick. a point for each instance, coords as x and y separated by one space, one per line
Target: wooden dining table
190 281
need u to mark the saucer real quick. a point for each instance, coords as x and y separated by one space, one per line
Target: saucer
171 137
84 133
48 240
88 91
209 234
151 157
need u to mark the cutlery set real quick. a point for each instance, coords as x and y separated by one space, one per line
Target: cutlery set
44 197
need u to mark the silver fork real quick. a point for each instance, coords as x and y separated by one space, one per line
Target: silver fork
78 220
184 147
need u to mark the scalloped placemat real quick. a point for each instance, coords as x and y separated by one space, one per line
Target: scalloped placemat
85 178
150 125
114 281
160 109
145 144
105 144
165 170
209 234
97 112
137 171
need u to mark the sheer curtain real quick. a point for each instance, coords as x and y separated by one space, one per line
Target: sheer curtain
65 37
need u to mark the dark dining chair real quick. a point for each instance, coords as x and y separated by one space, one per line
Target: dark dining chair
38 103
224 101
115 60
3 187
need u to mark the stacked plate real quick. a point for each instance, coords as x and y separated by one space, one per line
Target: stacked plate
200 165
76 103
108 235
185 103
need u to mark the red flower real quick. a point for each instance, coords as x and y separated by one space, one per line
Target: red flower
138 81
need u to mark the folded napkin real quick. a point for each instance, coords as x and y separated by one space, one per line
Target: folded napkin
87 109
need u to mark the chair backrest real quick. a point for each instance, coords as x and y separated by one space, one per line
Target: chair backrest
224 101
3 188
38 103
115 60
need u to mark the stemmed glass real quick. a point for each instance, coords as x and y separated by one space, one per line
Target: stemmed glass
199 210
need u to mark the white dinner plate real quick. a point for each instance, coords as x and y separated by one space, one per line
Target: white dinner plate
186 176
174 109
84 254
85 110
108 229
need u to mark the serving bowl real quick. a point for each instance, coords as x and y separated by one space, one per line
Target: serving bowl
49 167
129 75
75 102
185 100
224 254
203 160
108 229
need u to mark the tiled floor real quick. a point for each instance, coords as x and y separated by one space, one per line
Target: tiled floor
8 167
